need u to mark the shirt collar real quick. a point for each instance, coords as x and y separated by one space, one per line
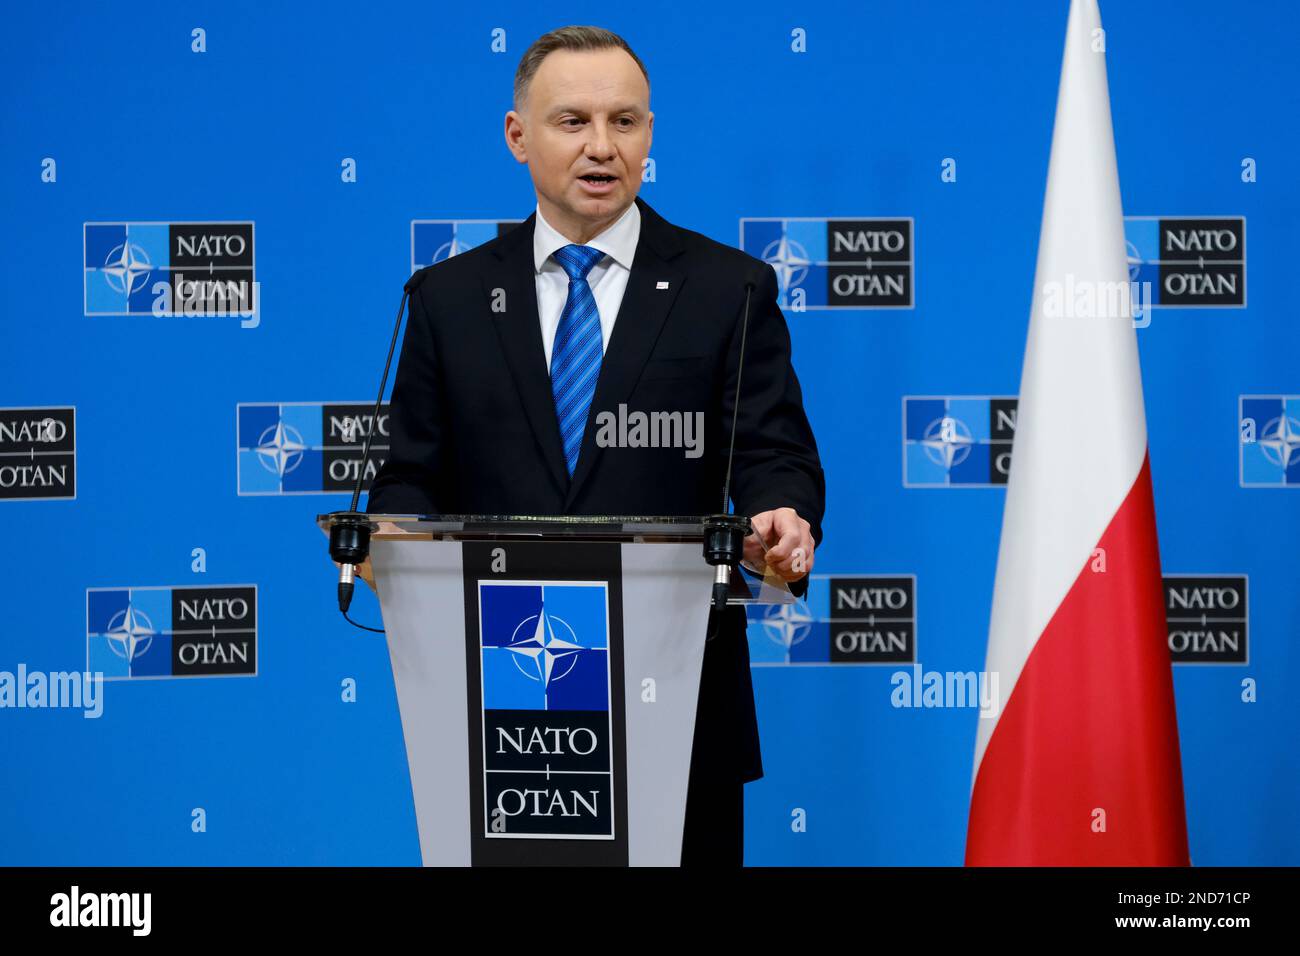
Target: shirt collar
618 240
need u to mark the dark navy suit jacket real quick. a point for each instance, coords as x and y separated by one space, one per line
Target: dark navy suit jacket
473 429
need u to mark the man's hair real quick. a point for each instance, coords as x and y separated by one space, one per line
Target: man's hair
567 38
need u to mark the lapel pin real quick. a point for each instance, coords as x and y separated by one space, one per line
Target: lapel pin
661 285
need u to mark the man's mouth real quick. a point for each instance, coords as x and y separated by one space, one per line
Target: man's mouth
597 178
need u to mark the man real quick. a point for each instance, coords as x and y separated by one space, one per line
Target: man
514 348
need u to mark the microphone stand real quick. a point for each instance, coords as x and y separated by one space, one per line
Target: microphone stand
350 530
725 532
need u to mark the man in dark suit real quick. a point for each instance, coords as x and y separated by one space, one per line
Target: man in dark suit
514 349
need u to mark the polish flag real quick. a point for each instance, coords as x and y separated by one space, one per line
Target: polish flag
1079 766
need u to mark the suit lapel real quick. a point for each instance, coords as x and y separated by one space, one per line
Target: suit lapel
519 330
641 316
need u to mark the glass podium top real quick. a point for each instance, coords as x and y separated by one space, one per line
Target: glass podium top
576 527
754 585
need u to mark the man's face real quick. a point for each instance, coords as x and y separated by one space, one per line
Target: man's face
586 113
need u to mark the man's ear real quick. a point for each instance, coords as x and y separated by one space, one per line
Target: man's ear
514 133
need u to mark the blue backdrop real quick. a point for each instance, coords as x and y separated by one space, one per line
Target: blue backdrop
111 116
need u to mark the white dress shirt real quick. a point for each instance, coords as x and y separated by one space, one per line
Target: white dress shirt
607 278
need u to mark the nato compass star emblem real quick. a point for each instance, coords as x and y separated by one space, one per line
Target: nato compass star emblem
453 248
129 633
127 268
541 655
280 449
947 441
1280 440
788 624
789 259
1135 261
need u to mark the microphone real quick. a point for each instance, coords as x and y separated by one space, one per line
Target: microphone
724 533
350 530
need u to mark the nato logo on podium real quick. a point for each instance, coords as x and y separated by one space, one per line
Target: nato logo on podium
547 731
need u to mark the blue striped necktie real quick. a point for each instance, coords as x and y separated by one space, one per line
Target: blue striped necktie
576 354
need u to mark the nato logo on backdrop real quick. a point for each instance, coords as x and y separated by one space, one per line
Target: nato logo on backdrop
307 448
433 240
548 762
190 631
1189 261
836 263
1207 618
168 268
1269 441
843 619
957 441
38 452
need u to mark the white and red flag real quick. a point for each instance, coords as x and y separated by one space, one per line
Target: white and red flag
1080 765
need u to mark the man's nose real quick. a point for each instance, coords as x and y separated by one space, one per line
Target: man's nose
599 144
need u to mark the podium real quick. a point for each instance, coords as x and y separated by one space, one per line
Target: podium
547 672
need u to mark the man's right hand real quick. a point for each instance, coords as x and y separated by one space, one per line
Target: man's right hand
366 573
782 541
